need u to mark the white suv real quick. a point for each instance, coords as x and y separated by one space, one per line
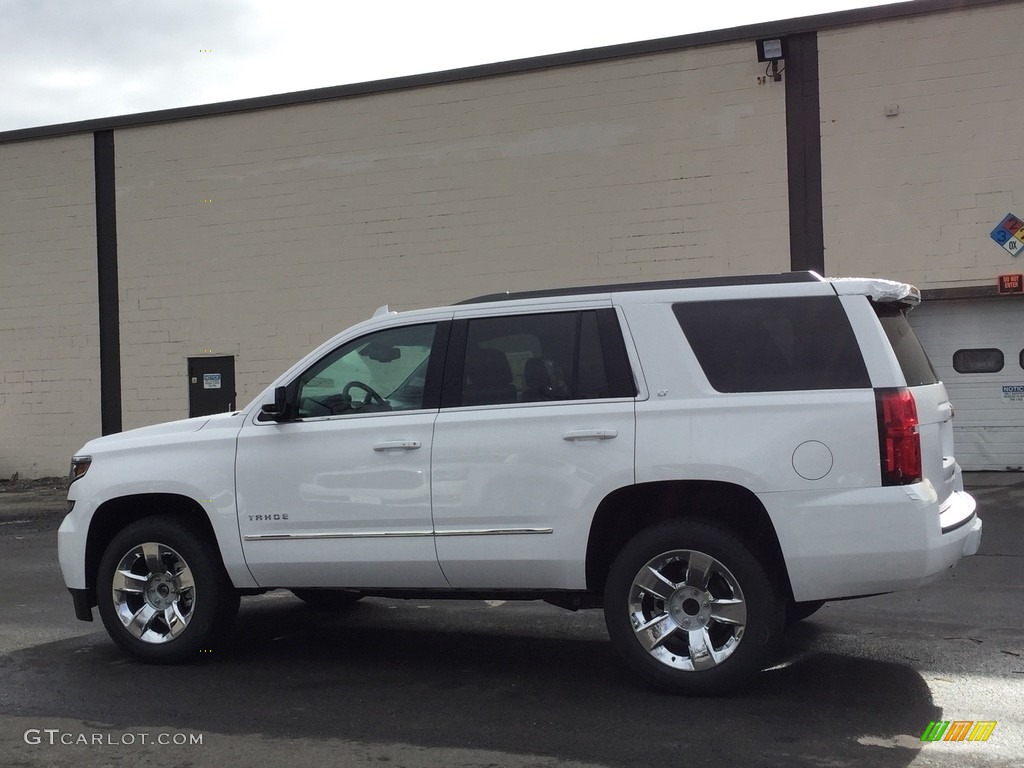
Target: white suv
704 459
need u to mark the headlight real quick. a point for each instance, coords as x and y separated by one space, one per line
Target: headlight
79 466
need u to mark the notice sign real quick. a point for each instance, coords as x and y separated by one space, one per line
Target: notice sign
1009 234
1011 283
211 381
1013 392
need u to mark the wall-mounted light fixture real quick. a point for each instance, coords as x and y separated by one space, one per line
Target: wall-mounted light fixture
772 49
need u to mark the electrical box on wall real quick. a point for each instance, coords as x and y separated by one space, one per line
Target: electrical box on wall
211 385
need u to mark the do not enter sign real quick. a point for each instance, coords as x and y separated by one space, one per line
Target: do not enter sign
1011 283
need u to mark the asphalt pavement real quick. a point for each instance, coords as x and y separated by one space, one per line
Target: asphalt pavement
467 683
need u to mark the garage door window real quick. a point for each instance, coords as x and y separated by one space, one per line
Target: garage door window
978 360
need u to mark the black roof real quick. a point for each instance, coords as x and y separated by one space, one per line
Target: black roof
655 285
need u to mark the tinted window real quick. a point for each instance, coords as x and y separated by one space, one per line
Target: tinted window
383 371
591 376
772 345
917 368
543 357
978 361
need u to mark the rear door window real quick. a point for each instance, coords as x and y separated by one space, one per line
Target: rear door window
774 345
540 358
917 368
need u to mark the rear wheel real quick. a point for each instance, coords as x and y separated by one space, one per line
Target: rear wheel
162 592
690 609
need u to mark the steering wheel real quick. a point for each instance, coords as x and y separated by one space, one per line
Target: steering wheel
371 393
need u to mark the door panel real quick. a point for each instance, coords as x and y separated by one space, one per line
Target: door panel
339 502
338 494
515 488
536 428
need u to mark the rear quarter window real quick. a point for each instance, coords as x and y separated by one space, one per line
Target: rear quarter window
774 345
917 368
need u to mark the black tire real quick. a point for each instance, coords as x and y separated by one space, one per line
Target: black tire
177 591
738 637
796 612
328 599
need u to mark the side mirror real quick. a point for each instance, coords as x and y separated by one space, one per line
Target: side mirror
276 411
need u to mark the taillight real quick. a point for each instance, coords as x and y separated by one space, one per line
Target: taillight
898 438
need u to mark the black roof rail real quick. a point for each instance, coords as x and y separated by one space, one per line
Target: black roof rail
654 285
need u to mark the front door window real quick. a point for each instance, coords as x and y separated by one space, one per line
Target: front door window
384 371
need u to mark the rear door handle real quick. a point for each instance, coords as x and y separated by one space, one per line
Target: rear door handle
398 445
590 434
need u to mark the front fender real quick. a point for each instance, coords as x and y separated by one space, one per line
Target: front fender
196 465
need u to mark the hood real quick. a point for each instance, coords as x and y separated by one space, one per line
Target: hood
144 435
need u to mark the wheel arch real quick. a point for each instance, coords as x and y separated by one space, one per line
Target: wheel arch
115 514
627 511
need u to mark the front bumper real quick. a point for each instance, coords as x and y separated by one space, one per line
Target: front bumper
84 600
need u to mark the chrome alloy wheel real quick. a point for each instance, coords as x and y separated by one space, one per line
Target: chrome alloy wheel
687 610
153 592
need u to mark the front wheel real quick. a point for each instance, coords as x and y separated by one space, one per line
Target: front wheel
690 609
162 592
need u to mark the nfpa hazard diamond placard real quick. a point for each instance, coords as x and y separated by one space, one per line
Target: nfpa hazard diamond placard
1009 234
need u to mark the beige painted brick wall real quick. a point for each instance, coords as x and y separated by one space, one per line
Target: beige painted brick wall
664 166
49 326
914 196
668 165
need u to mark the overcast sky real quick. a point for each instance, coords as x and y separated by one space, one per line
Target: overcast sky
67 60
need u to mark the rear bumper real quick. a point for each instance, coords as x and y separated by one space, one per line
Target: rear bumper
959 510
870 541
973 540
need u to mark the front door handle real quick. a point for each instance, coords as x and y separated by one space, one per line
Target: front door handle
590 434
398 445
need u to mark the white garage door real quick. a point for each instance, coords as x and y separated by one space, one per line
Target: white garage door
977 347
